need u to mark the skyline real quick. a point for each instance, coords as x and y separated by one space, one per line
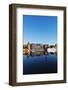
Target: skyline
37 29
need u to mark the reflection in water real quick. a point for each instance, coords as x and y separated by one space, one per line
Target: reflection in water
39 64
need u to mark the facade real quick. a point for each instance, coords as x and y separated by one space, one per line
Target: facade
37 49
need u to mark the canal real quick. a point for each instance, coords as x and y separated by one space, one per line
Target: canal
42 64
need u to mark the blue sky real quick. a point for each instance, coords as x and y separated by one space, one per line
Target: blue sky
40 29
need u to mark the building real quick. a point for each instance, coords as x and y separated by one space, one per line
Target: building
52 49
39 49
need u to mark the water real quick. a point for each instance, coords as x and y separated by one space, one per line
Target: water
40 64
